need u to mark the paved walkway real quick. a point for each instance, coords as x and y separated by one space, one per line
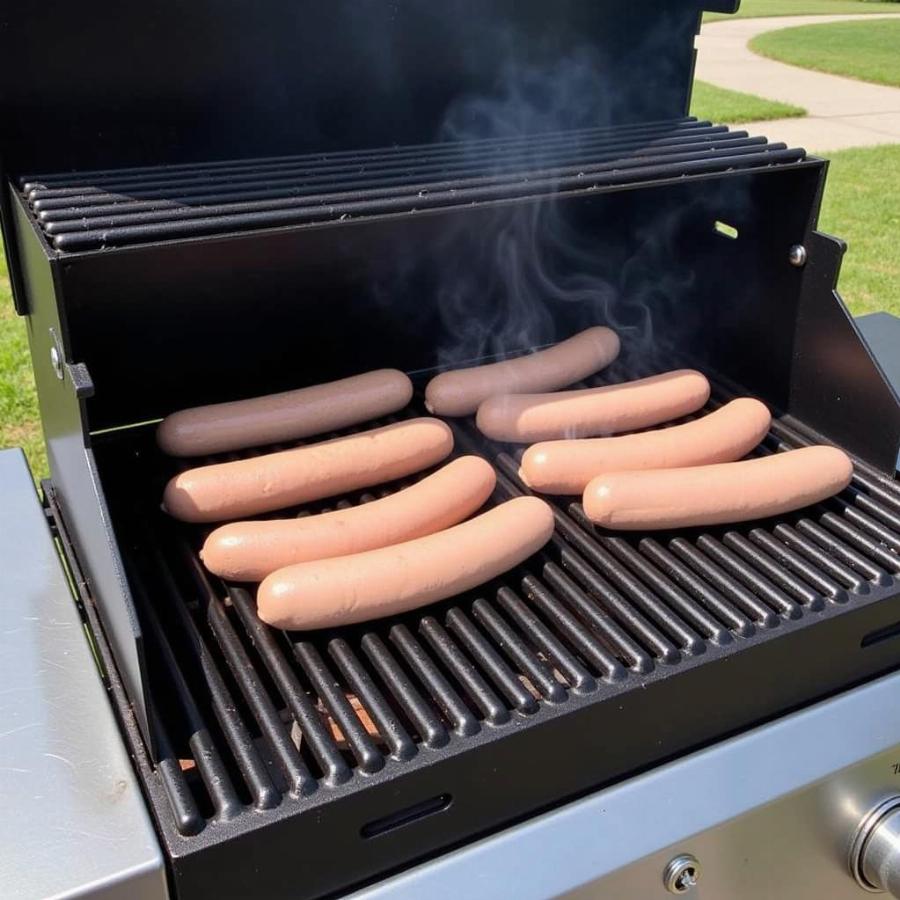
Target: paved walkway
842 112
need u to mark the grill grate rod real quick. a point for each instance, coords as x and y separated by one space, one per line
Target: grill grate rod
733 618
297 776
315 734
533 154
206 755
29 183
57 218
822 583
447 699
323 682
425 721
624 174
363 685
452 656
491 662
359 183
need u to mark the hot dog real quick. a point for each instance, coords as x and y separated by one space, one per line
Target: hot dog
523 418
713 495
348 589
250 486
460 392
566 467
289 416
248 551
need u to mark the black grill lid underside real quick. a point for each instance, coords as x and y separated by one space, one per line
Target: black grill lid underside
112 208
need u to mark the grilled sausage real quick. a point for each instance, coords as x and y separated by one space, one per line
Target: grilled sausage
250 486
248 551
459 393
566 467
348 589
714 495
523 418
289 416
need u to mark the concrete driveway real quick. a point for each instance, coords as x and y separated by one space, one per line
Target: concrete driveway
842 112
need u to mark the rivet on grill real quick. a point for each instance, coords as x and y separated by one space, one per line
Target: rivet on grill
682 874
798 256
56 360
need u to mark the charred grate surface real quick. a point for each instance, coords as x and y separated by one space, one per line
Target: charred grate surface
248 719
111 208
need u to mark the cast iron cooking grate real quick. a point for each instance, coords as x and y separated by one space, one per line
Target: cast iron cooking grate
248 718
110 208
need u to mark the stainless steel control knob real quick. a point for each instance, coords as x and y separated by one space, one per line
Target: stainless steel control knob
875 851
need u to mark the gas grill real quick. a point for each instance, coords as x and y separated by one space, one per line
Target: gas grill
269 196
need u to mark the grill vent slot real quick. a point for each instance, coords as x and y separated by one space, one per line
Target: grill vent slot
406 816
726 230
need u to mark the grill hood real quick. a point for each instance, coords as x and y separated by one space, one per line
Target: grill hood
87 87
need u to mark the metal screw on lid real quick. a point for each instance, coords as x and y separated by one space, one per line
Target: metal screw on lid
798 256
682 874
56 362
56 357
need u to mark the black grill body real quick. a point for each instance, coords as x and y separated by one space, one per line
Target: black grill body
207 227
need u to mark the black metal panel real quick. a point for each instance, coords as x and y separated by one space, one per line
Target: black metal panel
832 387
90 84
62 392
165 326
600 656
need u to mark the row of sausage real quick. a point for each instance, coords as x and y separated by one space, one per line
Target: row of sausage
419 545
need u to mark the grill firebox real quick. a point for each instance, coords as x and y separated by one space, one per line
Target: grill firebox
601 656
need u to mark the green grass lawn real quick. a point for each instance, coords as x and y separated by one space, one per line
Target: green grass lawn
869 51
759 8
862 205
731 107
19 423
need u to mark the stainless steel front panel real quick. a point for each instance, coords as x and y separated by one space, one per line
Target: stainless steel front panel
770 814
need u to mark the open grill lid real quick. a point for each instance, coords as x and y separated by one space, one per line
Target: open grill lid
88 85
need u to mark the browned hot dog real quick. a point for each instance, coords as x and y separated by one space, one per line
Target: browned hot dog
248 551
714 495
566 467
277 480
460 392
348 589
523 418
289 416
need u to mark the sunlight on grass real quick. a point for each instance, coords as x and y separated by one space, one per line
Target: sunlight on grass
868 51
751 9
862 206
19 422
732 107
